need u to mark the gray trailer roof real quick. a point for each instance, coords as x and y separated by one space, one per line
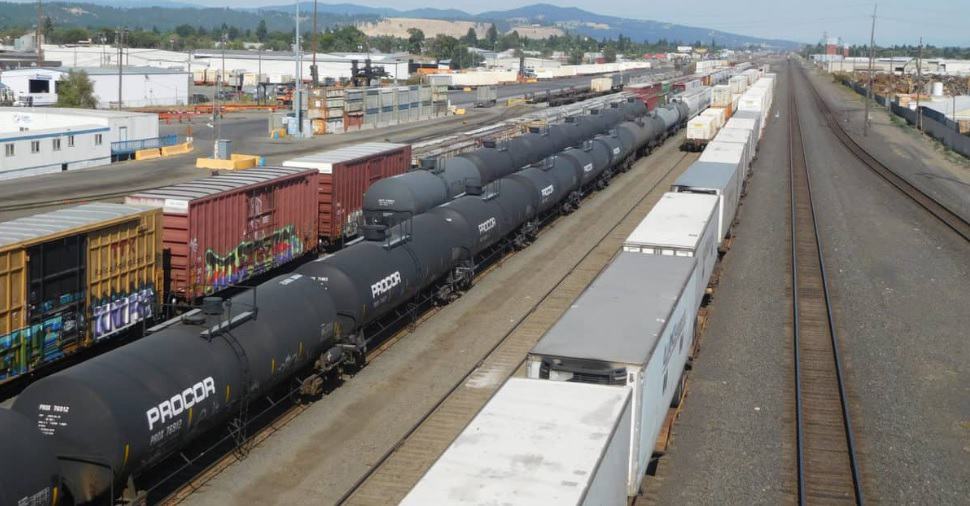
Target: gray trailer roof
707 175
620 317
38 226
218 183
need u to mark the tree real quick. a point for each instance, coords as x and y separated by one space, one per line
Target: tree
76 90
415 40
609 54
184 31
471 38
492 36
261 31
48 27
576 57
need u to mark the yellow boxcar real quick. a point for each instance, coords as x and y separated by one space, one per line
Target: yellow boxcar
73 277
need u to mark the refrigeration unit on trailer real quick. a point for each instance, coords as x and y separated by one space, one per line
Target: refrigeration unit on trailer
577 436
720 179
681 224
632 328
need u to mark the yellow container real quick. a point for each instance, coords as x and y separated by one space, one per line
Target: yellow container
102 274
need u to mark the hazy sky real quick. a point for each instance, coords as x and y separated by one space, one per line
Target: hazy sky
898 21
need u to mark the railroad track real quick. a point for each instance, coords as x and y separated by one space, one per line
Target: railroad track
948 217
827 465
282 417
393 475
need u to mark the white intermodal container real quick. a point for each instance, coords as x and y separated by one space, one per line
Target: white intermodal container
680 224
701 128
633 328
738 84
745 136
730 153
601 84
721 95
710 178
718 113
537 442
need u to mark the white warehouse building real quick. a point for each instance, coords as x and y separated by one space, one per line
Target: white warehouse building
142 86
44 140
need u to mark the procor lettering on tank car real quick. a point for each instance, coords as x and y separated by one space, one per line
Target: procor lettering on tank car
196 373
398 198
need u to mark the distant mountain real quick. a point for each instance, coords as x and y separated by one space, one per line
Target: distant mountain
599 26
167 14
142 15
570 18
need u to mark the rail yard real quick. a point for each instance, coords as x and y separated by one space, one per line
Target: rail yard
711 288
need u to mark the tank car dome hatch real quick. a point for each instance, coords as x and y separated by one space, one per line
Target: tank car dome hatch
399 197
29 471
460 173
179 382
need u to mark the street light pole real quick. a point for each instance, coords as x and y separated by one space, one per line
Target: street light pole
298 92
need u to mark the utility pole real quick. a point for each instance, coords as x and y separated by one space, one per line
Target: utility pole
298 91
892 80
216 112
38 34
872 54
313 43
120 34
919 80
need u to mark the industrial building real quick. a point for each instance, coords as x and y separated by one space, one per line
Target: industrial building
274 66
44 140
142 86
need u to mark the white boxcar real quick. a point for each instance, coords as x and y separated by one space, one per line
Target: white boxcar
728 152
681 224
746 136
633 327
712 178
537 443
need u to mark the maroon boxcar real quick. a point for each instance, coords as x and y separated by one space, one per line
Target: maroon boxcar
345 174
223 229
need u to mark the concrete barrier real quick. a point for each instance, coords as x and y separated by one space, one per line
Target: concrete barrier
148 154
235 162
178 149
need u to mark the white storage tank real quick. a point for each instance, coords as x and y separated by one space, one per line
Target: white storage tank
537 442
632 328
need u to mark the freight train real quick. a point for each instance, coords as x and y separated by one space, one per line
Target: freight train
116 415
606 374
110 270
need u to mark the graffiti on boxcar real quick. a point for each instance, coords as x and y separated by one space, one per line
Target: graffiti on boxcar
120 311
30 347
250 258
